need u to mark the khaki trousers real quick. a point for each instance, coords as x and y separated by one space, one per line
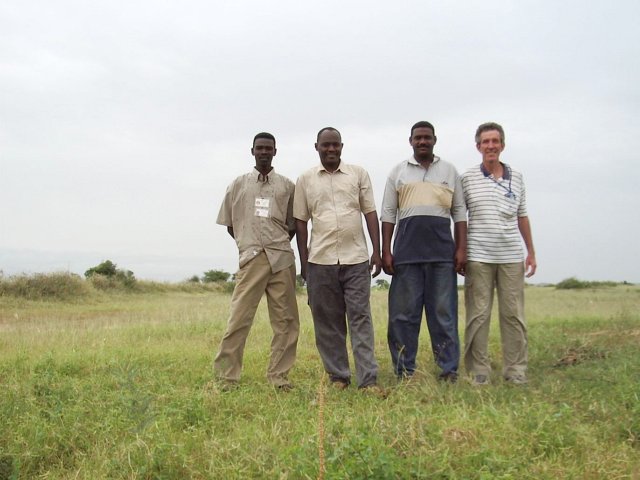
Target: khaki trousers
508 280
252 280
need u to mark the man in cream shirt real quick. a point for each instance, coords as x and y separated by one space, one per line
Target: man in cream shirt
336 264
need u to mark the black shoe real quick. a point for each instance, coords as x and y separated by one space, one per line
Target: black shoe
449 377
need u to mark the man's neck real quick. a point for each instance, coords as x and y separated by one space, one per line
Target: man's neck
264 171
331 167
424 161
494 168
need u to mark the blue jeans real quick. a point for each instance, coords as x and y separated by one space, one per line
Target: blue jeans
432 287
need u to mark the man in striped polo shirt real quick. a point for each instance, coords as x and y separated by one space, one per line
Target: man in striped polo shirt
496 201
421 197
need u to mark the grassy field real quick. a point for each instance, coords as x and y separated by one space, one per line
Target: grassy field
118 386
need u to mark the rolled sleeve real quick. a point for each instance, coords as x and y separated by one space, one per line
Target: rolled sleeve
389 209
300 205
225 214
367 201
458 206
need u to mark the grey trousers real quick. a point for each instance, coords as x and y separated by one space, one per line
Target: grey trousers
336 291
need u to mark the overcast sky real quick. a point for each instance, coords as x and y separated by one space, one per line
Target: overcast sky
122 123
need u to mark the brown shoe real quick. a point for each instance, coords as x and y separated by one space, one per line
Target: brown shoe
375 390
339 384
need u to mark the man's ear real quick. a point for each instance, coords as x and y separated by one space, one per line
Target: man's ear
316 146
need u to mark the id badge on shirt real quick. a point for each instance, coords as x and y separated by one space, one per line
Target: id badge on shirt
262 207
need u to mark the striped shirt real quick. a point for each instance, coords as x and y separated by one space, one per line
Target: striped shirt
494 206
422 201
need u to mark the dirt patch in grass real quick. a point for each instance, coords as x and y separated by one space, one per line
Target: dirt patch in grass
582 353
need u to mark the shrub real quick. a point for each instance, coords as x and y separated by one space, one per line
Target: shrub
58 285
228 287
571 283
106 275
215 276
116 282
574 283
106 268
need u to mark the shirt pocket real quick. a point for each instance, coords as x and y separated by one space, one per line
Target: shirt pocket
507 207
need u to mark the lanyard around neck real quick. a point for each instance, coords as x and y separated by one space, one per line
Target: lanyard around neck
509 193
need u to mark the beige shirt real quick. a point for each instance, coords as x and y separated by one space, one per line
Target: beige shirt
260 211
335 202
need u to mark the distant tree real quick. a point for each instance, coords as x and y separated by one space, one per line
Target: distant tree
194 279
110 271
215 276
382 284
300 281
106 268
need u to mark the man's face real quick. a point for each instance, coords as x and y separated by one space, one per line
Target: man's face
263 150
422 140
490 146
329 148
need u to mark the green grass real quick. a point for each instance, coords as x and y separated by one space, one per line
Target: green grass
115 385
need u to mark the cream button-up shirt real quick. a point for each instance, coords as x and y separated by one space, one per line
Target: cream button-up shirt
335 203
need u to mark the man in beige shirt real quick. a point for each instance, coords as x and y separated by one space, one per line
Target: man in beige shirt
258 213
335 264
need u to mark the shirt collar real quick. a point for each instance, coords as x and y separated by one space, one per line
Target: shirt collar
506 171
413 161
258 177
342 168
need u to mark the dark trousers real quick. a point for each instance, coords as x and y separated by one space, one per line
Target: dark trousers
432 287
336 291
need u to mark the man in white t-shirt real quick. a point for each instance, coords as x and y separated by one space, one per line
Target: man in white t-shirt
497 221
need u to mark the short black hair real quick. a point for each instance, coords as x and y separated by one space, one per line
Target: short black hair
266 135
423 124
325 129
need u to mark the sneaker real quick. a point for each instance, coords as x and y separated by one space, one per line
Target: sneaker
516 379
449 377
375 390
339 384
479 380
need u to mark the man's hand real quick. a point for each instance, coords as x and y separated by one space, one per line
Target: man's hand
303 270
387 263
530 265
375 265
460 260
